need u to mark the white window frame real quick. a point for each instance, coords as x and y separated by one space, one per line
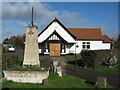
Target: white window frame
86 44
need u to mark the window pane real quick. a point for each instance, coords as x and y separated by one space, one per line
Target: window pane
46 45
88 46
83 42
83 46
62 45
88 42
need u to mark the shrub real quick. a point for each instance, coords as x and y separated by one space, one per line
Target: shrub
88 58
16 63
4 49
9 62
94 58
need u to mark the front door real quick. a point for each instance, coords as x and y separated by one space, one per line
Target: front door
55 49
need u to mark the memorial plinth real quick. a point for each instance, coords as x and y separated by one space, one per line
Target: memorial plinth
31 53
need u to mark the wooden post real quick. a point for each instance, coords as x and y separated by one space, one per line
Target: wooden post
32 17
55 67
75 60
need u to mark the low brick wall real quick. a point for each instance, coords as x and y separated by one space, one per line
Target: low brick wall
26 76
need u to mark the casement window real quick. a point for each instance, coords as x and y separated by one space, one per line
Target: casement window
85 45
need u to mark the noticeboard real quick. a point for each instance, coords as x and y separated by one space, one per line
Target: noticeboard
58 69
55 63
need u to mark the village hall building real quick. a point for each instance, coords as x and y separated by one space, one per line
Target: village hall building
55 39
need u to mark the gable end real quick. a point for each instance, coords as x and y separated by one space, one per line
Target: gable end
56 20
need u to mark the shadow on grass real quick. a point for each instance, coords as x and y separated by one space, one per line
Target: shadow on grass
104 64
5 89
79 63
90 82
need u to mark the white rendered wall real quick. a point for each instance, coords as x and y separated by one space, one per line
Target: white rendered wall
40 50
94 45
106 46
70 48
55 26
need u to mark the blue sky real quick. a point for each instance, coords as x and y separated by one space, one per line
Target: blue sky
104 15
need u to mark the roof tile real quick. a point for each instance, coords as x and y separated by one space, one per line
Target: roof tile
87 33
106 39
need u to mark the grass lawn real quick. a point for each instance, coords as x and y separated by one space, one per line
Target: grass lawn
21 58
41 58
68 59
104 69
54 82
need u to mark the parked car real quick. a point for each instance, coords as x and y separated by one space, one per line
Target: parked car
11 48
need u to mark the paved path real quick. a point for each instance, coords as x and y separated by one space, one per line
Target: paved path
46 62
92 75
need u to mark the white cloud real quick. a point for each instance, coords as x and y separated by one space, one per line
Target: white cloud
43 15
23 24
69 17
8 30
23 11
74 19
7 33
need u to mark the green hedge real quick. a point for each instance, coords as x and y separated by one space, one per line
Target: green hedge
94 58
9 62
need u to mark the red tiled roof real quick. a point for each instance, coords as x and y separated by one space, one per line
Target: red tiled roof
82 33
106 39
86 33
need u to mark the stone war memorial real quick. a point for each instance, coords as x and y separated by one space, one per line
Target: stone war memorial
31 59
31 55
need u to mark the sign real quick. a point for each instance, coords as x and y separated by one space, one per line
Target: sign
58 69
55 63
